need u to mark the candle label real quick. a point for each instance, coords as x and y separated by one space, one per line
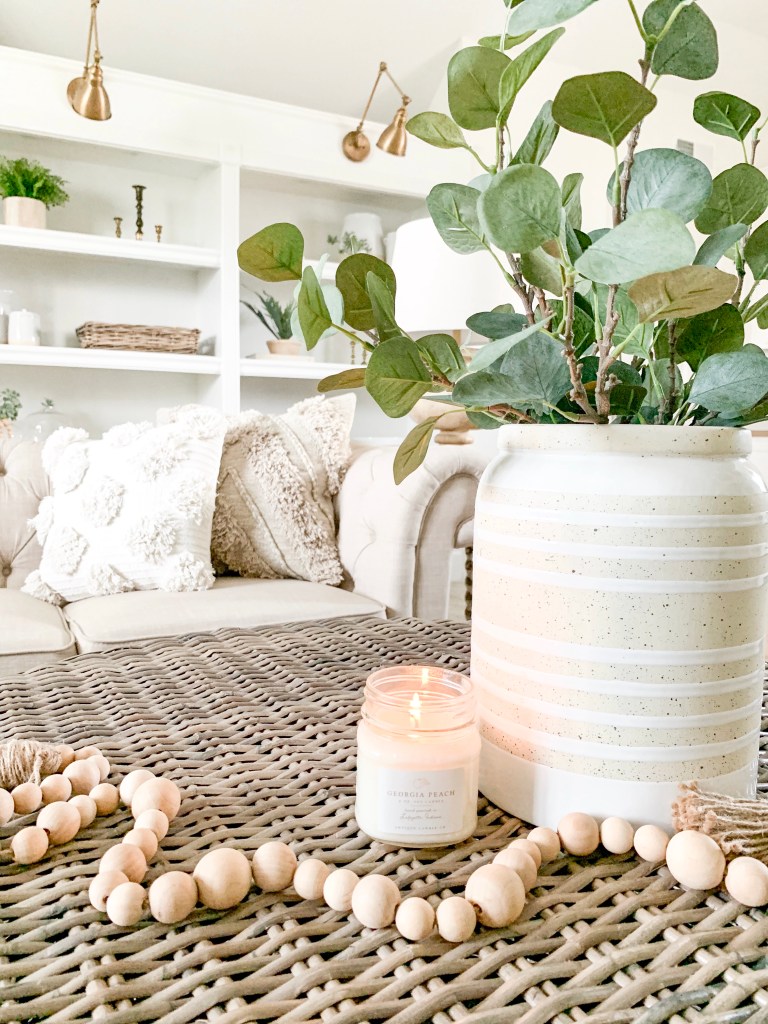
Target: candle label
421 802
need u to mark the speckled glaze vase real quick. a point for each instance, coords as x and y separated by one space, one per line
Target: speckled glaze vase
619 610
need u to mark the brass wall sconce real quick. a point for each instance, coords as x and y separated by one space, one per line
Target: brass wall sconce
86 94
393 139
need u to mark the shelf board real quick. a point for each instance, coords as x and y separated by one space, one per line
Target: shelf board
290 369
107 359
106 247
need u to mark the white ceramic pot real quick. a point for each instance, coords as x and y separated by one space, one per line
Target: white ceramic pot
619 610
21 212
368 227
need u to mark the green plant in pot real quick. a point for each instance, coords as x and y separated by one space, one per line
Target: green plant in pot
276 317
10 406
620 574
28 190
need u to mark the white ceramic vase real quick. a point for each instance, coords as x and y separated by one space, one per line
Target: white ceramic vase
619 610
367 226
22 212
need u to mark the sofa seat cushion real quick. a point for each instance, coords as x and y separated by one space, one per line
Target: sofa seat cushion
31 633
99 623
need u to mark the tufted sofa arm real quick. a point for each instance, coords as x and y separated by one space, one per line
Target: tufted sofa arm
23 485
396 541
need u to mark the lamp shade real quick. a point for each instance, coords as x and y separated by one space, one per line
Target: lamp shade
88 97
394 138
437 289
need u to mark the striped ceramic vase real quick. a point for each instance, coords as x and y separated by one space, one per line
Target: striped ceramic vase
618 618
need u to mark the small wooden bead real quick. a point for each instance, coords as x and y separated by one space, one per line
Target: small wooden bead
746 880
157 795
375 901
223 878
83 775
309 878
27 798
154 820
338 888
106 798
131 783
125 904
86 808
85 752
548 842
66 755
145 839
521 862
172 897
497 895
456 919
651 843
6 806
617 835
274 865
60 820
29 845
126 858
102 885
695 860
415 919
102 764
579 834
56 787
528 847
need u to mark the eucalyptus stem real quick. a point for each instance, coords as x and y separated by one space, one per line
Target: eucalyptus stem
353 337
578 391
638 22
672 19
672 334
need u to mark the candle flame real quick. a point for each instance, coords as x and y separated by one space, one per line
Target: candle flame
425 678
415 710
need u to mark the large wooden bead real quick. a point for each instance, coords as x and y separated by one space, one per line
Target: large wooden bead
102 885
102 764
456 919
27 797
415 919
86 808
154 820
548 842
6 806
617 835
29 845
309 878
497 895
579 834
274 865
85 752
651 843
375 901
66 755
83 775
519 861
529 847
695 860
172 897
126 858
223 878
338 888
157 795
145 839
106 798
747 881
56 787
131 783
125 904
60 820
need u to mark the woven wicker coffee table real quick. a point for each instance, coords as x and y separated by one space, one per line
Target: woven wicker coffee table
258 729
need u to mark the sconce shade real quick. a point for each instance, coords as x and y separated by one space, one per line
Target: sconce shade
394 138
88 97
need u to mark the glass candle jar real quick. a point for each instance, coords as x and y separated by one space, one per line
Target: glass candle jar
418 750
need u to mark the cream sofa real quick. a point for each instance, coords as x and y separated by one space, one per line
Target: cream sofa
395 543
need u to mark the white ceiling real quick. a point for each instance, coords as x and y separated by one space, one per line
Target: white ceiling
316 53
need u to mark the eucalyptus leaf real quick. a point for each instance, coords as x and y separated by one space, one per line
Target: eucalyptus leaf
413 449
669 180
629 322
396 377
583 325
497 323
540 269
571 193
725 114
689 49
731 382
520 70
756 253
604 106
509 43
535 14
645 243
483 420
314 316
758 311
382 308
351 280
437 130
538 374
273 254
454 211
717 245
541 137
443 355
658 380
484 388
685 292
739 196
495 350
627 397
346 380
474 75
718 330
520 209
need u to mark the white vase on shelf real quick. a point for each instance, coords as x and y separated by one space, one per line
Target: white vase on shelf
23 212
366 226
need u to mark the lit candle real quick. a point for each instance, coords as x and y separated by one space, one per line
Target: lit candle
418 749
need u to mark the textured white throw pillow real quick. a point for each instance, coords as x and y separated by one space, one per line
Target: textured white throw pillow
132 511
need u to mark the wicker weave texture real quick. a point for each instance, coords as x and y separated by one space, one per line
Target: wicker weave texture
258 729
138 338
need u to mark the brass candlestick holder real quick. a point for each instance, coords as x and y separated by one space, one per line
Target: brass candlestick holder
118 227
139 190
159 231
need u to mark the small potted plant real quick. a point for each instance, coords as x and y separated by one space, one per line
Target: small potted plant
10 404
349 243
277 320
28 190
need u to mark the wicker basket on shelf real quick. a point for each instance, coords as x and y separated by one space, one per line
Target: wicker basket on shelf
138 338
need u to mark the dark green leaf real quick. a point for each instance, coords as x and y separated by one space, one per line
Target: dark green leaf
757 311
681 293
494 350
510 42
413 450
669 180
605 106
762 319
756 253
541 137
627 397
437 130
347 379
497 324
383 308
645 243
520 70
273 254
739 196
731 382
441 353
454 210
719 330
474 74
571 192
717 245
314 317
396 377
520 209
583 326
689 48
540 269
725 114
483 421
535 14
351 280
538 374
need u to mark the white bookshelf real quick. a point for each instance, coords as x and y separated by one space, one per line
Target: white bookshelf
298 368
50 357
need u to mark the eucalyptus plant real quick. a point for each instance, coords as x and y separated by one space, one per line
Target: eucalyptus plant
630 322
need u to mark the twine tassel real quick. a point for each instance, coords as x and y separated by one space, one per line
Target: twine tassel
739 827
